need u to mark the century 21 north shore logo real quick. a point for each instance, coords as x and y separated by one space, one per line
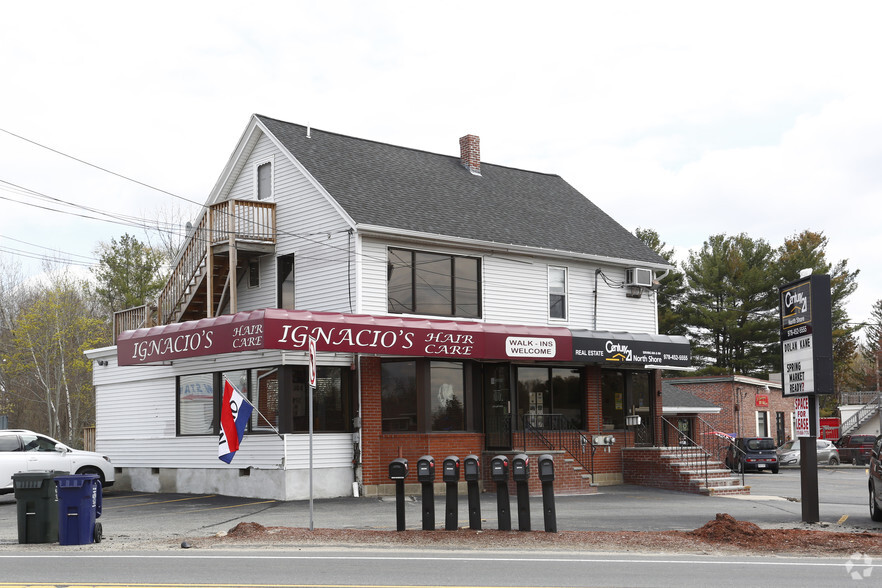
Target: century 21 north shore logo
618 352
795 305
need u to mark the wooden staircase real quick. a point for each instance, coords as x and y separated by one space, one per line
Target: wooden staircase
201 283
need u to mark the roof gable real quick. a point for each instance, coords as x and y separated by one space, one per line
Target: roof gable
674 396
407 189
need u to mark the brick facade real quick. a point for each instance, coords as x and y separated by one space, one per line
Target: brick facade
379 448
737 397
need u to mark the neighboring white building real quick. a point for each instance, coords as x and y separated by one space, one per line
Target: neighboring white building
458 305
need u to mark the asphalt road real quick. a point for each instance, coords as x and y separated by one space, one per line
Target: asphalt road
387 568
774 501
129 519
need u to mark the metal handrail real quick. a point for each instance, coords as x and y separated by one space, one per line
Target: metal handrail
710 444
860 417
555 433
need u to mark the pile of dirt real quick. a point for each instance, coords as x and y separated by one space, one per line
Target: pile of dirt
727 531
724 534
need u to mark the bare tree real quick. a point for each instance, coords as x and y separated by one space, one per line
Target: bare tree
44 362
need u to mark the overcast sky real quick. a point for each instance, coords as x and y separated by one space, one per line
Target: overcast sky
690 118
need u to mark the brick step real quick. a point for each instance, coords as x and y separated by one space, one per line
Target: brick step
719 482
726 490
676 469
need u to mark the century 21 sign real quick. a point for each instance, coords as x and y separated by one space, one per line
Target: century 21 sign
807 336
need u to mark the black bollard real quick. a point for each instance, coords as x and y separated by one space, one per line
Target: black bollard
398 472
450 475
499 473
520 473
472 475
426 476
546 475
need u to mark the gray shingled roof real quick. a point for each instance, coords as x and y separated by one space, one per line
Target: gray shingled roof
673 396
402 188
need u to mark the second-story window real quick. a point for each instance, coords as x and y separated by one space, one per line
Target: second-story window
286 282
433 283
254 273
264 181
557 292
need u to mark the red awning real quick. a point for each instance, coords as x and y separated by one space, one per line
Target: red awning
346 333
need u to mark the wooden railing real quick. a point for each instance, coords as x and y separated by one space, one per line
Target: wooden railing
133 318
229 222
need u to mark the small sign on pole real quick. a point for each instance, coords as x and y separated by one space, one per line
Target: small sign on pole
803 416
312 378
312 375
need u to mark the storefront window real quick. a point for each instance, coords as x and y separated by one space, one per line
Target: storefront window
423 395
448 403
613 399
196 404
399 396
625 393
567 396
267 400
551 398
331 400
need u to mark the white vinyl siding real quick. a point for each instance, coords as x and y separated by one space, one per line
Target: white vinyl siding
309 226
515 290
136 421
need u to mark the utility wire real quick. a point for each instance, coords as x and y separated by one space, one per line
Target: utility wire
113 173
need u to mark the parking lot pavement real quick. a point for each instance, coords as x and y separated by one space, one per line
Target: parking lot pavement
135 516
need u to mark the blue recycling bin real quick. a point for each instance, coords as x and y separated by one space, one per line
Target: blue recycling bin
79 504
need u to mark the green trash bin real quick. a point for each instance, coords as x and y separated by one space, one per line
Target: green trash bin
36 497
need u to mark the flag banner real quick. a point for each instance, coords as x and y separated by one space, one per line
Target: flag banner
234 417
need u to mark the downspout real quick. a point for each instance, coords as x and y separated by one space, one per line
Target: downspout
655 294
596 273
356 458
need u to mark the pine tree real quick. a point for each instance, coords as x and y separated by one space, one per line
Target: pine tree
730 305
129 273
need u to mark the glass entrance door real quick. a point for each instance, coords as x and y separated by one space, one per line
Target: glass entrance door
497 407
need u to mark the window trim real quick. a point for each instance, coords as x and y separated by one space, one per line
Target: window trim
272 180
566 293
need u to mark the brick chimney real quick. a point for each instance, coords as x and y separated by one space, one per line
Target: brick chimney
470 153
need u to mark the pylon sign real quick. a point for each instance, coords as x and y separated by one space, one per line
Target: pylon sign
807 336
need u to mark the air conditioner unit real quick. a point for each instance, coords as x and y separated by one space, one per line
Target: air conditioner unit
638 276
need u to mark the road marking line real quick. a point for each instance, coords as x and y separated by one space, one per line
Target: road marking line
164 501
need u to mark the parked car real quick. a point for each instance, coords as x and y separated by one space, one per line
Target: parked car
26 451
876 480
855 448
752 454
789 454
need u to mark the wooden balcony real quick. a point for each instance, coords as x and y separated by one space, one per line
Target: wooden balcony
201 282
